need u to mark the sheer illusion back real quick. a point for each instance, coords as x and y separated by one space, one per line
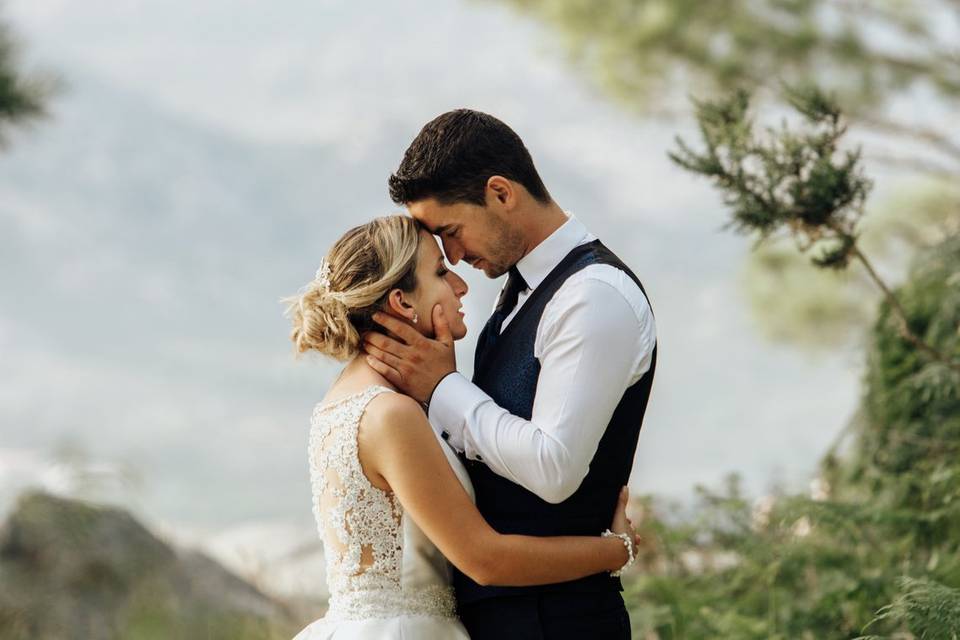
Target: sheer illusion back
360 523
379 564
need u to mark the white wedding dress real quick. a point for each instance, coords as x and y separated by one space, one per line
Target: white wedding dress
386 579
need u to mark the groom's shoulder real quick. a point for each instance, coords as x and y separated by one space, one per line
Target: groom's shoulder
597 278
605 295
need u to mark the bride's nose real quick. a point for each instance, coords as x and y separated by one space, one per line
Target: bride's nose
460 287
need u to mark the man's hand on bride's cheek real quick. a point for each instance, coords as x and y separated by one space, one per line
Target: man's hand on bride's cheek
413 363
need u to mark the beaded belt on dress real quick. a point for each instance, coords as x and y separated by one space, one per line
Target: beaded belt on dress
434 600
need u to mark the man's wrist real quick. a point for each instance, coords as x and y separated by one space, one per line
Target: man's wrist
447 408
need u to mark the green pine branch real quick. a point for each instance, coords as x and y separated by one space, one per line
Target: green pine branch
794 182
927 608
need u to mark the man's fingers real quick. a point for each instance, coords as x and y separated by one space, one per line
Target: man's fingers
401 329
384 343
441 326
385 357
387 372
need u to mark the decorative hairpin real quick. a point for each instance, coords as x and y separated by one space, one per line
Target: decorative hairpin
323 275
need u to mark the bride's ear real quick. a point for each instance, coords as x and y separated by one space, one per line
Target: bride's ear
399 304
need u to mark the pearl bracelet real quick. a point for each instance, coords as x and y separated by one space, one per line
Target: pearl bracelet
628 544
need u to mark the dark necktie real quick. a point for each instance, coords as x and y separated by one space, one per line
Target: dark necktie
508 298
505 305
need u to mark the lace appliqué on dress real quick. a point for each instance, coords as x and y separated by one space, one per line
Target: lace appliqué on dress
361 525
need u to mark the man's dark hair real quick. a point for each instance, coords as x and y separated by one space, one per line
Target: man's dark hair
455 154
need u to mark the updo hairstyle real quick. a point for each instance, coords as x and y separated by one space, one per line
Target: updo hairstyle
330 314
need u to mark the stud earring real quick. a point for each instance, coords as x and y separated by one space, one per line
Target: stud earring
416 318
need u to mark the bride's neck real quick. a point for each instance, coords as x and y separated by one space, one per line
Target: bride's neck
359 371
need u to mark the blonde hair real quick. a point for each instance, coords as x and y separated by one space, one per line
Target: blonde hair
365 264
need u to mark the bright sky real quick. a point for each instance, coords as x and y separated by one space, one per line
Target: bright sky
355 84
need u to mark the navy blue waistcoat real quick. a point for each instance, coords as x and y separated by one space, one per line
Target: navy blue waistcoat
506 369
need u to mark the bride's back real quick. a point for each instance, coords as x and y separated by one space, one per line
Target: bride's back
378 561
359 522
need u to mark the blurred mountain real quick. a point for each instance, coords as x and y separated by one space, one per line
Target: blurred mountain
71 570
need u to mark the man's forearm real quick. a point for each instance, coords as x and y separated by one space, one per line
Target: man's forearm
512 447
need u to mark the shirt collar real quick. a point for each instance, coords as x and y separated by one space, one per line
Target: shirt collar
540 261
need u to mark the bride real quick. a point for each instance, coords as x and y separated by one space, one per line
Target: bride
392 501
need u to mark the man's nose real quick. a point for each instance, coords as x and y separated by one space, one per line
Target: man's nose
453 250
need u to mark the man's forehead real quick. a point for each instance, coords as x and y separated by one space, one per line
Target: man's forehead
435 217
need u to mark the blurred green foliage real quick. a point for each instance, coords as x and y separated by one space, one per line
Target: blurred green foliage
874 550
648 53
22 96
652 55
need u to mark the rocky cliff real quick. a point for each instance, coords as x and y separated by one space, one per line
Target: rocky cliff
72 570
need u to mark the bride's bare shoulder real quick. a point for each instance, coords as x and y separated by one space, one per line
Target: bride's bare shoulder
390 411
393 425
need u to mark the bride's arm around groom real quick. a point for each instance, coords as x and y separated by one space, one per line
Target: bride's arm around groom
435 499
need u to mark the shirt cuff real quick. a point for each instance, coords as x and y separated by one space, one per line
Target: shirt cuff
453 397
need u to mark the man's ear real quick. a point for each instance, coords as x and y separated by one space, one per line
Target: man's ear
501 191
398 304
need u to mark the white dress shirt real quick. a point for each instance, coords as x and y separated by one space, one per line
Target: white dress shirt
595 339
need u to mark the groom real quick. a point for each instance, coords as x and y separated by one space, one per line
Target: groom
548 426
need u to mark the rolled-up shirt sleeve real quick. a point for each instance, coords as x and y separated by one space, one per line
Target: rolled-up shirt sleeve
593 342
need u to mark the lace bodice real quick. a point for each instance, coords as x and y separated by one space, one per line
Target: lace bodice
363 527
